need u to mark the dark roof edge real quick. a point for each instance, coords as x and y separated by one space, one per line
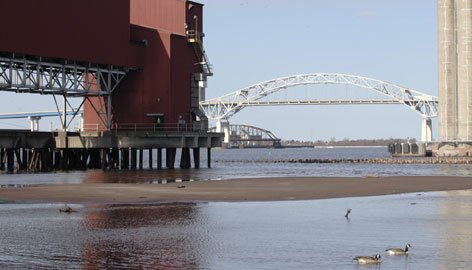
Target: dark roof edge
195 3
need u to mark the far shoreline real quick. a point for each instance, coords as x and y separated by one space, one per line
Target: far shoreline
234 190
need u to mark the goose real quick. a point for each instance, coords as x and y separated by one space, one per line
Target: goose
368 259
399 251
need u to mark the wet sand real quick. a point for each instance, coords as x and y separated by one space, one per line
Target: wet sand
270 189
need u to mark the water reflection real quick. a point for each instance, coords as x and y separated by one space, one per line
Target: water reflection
141 237
249 235
455 231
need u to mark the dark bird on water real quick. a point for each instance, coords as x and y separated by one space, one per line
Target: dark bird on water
368 259
67 210
348 211
399 251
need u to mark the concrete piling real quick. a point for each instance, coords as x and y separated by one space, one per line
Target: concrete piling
134 157
140 163
150 158
196 157
2 159
185 159
170 157
209 157
159 158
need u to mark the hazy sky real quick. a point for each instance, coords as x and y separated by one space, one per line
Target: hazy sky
253 41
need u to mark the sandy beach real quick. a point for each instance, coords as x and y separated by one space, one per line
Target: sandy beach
265 189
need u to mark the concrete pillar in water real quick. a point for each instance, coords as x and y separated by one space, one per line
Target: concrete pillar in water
24 159
447 61
19 161
426 130
170 157
124 159
62 160
150 158
115 159
134 156
209 157
159 158
464 68
141 154
222 126
196 157
2 159
10 160
185 162
103 158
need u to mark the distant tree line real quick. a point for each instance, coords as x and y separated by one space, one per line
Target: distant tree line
345 142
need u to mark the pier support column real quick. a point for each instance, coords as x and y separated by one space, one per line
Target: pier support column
209 157
222 126
426 130
24 159
170 157
115 159
185 159
159 158
10 160
140 163
124 159
103 158
2 159
196 157
19 161
134 157
150 158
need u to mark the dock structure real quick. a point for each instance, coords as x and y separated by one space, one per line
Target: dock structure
22 150
138 68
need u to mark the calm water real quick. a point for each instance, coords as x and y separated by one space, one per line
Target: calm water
236 163
245 235
265 235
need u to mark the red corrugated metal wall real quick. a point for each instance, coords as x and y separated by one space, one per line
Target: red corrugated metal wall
162 15
94 31
163 84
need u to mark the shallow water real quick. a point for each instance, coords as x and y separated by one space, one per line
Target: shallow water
247 235
246 163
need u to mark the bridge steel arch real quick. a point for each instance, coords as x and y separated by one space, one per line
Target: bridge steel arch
241 134
224 107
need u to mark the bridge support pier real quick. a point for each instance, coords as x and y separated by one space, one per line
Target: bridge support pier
222 126
426 130
34 122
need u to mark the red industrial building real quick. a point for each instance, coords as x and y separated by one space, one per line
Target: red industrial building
147 54
148 38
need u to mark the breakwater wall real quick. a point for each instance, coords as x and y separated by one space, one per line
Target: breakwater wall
403 160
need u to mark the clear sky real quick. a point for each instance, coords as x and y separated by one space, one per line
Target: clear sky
253 41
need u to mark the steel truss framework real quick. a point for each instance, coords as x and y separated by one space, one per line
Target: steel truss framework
225 107
245 133
71 79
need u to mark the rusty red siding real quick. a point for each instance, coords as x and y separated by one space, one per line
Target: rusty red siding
94 31
162 15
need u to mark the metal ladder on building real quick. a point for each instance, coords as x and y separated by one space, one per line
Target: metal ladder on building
195 38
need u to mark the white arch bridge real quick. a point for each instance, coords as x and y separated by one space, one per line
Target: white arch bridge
224 107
